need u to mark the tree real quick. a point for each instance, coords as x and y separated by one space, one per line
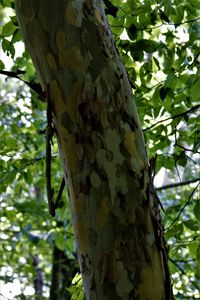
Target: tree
117 226
164 91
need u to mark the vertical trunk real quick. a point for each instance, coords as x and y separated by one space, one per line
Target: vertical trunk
119 238
38 280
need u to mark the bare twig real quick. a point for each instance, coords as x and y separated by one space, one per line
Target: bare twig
177 184
154 27
182 209
15 171
36 87
62 186
49 135
183 272
192 109
186 149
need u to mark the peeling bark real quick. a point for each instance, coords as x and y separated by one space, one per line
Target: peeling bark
116 225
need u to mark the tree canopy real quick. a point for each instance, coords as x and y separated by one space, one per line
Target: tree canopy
159 45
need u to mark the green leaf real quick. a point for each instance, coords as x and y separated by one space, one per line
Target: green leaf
132 32
175 231
192 248
28 177
178 230
192 225
117 24
8 48
132 4
60 242
156 62
195 3
16 36
8 29
2 66
116 2
153 17
163 16
136 52
81 295
148 46
182 160
173 209
195 90
171 81
196 210
163 93
34 238
77 280
14 20
7 3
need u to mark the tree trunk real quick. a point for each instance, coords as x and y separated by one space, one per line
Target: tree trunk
38 280
118 234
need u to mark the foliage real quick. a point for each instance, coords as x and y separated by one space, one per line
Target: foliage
76 289
159 45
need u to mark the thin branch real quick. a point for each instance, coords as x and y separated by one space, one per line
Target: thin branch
177 170
195 59
183 272
62 186
177 265
49 136
186 149
148 89
185 261
194 108
36 87
184 206
31 162
177 184
185 22
157 26
13 74
185 242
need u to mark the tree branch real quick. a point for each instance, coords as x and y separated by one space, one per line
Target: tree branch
62 186
154 27
31 162
182 272
184 206
192 109
49 135
36 87
177 265
186 149
177 184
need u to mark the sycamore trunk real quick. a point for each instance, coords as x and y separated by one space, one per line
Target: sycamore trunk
101 147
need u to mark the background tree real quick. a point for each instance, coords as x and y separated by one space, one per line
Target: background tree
154 100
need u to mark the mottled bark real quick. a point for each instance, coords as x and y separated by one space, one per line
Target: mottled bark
117 231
